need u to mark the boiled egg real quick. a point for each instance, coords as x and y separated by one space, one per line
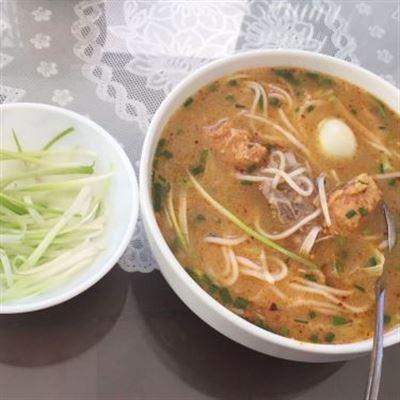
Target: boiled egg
336 138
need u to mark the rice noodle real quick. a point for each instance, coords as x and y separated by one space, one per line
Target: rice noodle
315 303
373 238
290 181
226 241
227 263
283 92
248 263
230 264
251 178
330 289
291 159
309 240
329 296
278 292
182 214
335 175
323 200
286 121
255 270
281 166
259 93
380 147
383 245
355 122
292 139
282 273
388 175
285 234
323 238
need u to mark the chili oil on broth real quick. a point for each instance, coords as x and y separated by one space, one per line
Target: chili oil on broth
344 259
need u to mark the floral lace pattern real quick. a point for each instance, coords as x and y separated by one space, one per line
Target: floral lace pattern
117 60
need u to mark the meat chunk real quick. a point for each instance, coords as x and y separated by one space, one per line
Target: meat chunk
352 202
234 145
288 205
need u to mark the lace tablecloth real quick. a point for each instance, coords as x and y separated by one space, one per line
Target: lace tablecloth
115 61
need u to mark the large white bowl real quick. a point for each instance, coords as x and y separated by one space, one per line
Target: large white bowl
196 298
35 124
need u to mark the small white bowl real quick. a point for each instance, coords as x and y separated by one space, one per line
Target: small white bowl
196 298
35 124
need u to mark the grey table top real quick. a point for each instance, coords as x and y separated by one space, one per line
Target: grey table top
130 337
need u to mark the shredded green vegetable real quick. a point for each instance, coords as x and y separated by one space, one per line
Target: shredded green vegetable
46 238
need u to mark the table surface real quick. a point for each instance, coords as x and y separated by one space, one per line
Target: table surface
129 336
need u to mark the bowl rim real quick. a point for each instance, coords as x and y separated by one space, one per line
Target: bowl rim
164 111
112 260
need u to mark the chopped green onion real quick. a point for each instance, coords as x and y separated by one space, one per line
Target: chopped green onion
310 108
386 319
310 277
312 75
251 169
338 265
230 98
301 321
372 262
232 82
381 110
199 169
392 182
246 183
326 82
240 303
274 102
158 196
363 211
225 296
337 320
312 314
199 218
329 337
287 75
213 87
351 213
188 102
360 288
314 338
193 274
284 331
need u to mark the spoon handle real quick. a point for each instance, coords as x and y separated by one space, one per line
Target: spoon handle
375 368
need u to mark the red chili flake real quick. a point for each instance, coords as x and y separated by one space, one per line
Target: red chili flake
273 307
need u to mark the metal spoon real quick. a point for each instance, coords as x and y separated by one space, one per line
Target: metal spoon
375 368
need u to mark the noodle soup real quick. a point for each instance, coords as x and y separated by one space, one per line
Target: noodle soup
268 186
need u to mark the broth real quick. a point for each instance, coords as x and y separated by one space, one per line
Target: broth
303 160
